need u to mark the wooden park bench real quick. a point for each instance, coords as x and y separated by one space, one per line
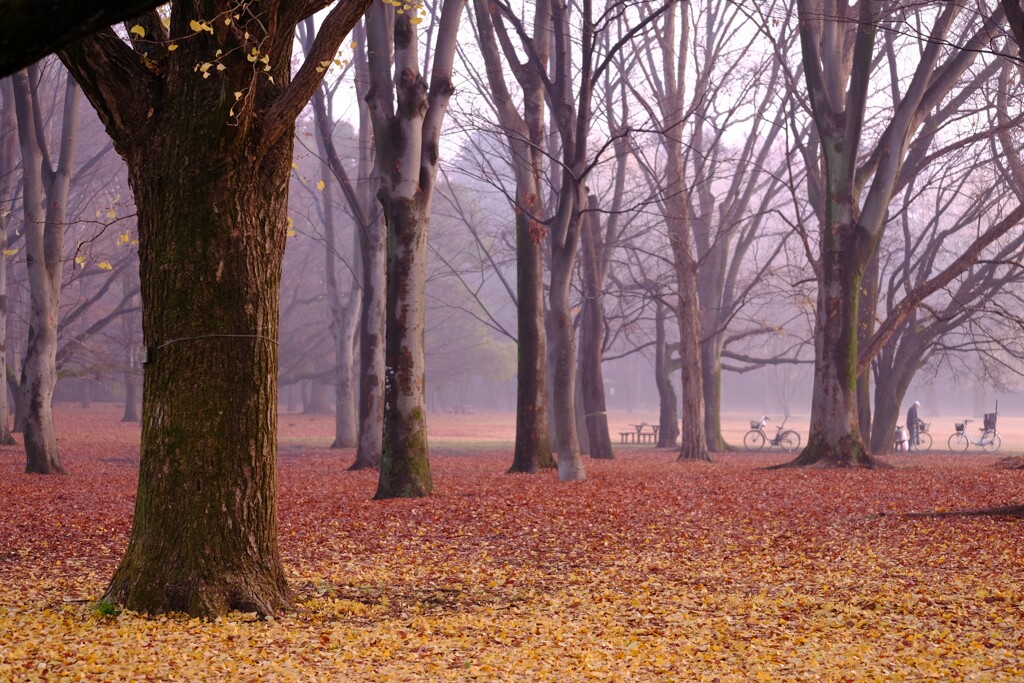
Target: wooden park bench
642 433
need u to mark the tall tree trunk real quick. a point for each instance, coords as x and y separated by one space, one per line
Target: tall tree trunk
525 136
563 351
344 308
45 203
405 466
711 384
533 440
668 413
8 137
835 425
865 330
897 366
131 398
210 175
371 347
316 402
407 117
692 443
592 340
581 420
346 404
345 314
211 243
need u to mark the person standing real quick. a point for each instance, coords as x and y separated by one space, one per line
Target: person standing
913 423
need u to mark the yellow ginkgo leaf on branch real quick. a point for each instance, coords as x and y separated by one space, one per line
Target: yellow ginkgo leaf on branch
10 252
137 30
103 265
320 184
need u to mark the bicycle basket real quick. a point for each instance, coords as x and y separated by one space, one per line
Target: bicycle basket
959 427
990 420
922 427
755 424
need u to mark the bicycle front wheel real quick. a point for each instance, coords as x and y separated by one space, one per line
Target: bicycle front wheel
754 440
991 442
789 441
924 441
958 443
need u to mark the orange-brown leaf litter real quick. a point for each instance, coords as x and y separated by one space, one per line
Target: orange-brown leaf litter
651 570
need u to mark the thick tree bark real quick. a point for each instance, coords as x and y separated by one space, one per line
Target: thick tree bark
692 442
211 243
835 426
209 157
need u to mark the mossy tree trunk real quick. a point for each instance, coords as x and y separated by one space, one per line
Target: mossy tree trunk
852 188
835 426
209 157
407 115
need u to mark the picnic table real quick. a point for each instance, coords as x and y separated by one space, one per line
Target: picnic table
461 410
640 435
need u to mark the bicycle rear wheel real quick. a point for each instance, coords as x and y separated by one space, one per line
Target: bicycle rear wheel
991 442
754 440
958 443
789 440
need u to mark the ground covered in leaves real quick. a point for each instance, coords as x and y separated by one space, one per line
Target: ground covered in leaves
649 570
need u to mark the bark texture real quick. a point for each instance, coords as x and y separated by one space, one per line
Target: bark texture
210 171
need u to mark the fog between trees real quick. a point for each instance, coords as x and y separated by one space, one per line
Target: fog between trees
806 207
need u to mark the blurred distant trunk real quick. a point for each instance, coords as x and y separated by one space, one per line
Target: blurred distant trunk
8 138
525 136
344 307
668 405
45 206
315 400
131 351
